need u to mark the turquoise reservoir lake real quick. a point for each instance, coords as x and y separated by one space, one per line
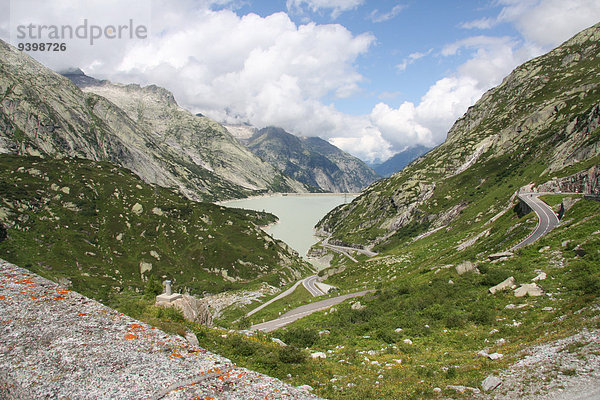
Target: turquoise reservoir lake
298 214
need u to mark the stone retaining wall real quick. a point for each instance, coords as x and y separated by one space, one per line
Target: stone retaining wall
586 182
57 344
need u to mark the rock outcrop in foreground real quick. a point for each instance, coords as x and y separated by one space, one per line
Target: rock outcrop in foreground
58 344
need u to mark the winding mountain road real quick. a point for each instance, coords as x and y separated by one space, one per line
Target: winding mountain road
547 219
309 284
303 311
346 250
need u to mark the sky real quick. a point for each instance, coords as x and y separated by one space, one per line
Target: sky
372 77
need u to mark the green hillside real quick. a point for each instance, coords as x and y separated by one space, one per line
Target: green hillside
433 322
102 230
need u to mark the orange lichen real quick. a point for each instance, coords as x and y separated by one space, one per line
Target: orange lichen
82 314
136 328
23 281
175 355
2 297
214 370
64 291
130 336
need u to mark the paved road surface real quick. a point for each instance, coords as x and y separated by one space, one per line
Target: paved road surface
309 284
546 216
303 311
345 250
279 296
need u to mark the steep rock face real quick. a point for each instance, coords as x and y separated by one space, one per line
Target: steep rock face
43 114
541 123
311 160
191 139
587 182
193 309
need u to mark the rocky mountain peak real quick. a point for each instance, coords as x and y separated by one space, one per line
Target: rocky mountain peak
311 160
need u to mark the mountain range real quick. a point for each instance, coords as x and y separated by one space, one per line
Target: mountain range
92 183
399 160
311 160
140 128
459 308
454 308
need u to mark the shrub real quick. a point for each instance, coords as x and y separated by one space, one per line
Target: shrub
243 323
170 314
493 276
385 335
451 373
585 277
241 347
483 315
300 337
153 288
454 320
3 233
291 355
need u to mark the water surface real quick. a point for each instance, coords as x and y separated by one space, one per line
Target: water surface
298 214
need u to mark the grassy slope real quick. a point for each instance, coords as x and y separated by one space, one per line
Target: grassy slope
448 317
90 234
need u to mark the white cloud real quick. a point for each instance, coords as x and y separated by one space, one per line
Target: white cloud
474 42
4 20
543 23
482 23
411 59
428 122
388 95
489 60
63 13
337 7
548 23
267 70
368 144
376 16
